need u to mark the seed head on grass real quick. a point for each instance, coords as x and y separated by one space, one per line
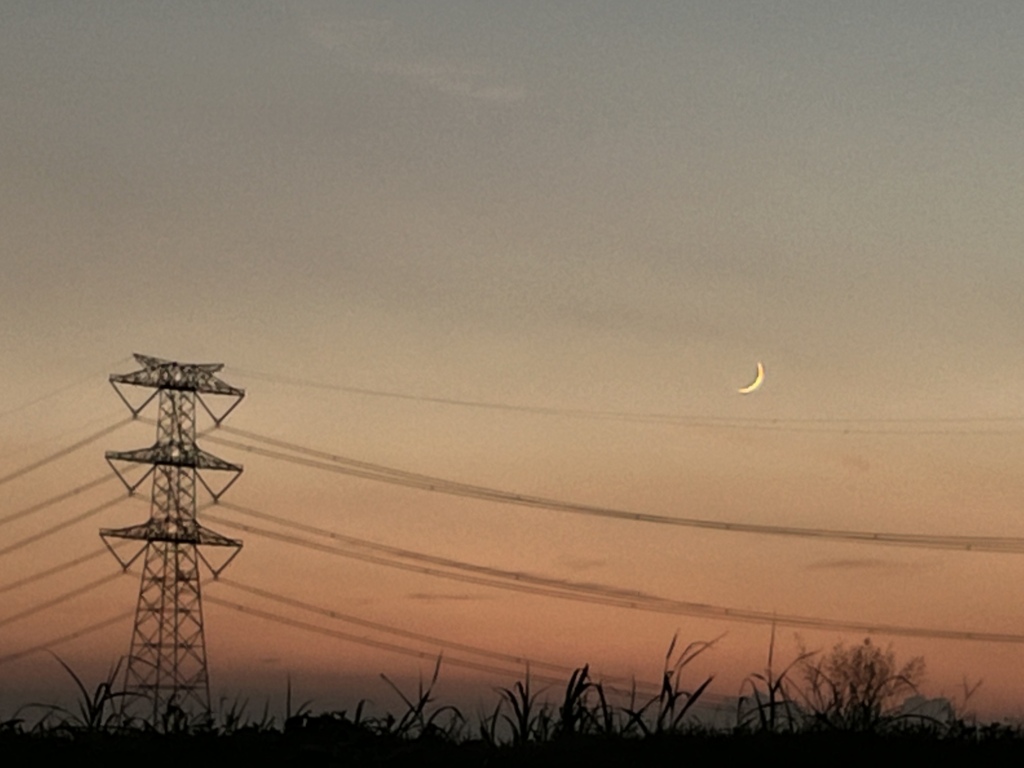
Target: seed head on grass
673 702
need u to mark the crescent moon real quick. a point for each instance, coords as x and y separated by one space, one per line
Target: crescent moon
755 384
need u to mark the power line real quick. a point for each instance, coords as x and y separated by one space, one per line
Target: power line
64 451
371 642
87 630
820 424
516 581
56 499
366 623
60 526
60 390
388 551
64 597
602 594
380 473
27 448
54 570
408 634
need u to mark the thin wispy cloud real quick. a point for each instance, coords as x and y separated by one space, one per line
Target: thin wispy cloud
368 45
855 463
352 36
439 596
456 80
583 563
862 564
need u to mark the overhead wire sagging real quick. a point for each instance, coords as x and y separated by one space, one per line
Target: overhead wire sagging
46 503
64 451
519 581
334 463
59 640
441 644
845 425
92 512
61 598
337 544
60 568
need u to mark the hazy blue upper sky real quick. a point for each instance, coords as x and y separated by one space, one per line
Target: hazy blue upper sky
572 204
833 186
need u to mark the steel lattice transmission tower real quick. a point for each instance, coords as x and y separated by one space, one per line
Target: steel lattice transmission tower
166 668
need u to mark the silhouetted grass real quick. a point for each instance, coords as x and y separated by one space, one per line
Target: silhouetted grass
805 712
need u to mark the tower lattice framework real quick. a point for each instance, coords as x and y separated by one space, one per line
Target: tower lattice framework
166 669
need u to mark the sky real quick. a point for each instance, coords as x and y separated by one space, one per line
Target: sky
520 217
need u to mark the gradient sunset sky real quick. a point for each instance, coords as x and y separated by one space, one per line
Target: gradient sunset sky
576 208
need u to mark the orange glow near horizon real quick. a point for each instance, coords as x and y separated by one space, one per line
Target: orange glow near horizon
471 261
798 576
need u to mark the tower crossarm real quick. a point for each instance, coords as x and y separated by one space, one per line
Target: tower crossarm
174 456
159 374
168 374
153 531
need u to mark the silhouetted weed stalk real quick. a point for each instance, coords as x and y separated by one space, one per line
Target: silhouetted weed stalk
664 712
233 717
96 711
856 689
770 705
527 720
585 709
445 722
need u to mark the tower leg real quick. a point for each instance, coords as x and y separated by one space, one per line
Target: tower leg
167 662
